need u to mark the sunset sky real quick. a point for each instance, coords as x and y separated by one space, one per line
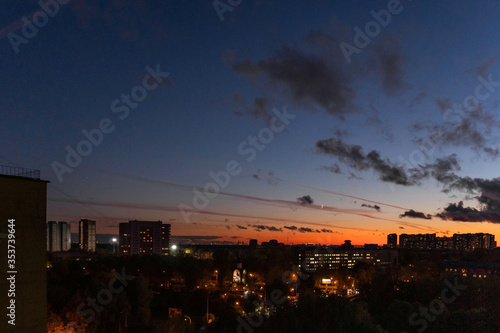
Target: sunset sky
318 133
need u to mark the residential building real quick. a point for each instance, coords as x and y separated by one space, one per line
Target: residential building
87 235
144 237
23 214
392 241
58 236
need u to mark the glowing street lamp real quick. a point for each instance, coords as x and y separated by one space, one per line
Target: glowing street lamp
113 241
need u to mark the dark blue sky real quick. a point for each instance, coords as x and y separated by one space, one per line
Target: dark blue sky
360 128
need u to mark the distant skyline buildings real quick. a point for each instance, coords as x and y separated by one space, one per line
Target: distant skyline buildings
392 241
459 242
144 238
58 236
87 235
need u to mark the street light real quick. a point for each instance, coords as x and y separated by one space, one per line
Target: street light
113 241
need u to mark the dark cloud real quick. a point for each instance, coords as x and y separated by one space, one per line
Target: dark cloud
306 199
401 227
375 121
259 109
444 104
457 212
352 175
483 69
461 128
228 227
241 227
377 208
260 227
414 214
269 177
307 78
306 230
354 157
390 66
333 168
485 191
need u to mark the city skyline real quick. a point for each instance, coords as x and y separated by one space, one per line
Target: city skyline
302 122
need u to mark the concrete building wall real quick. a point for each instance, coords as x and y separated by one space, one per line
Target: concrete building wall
24 200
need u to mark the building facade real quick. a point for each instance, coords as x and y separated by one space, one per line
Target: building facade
328 258
392 241
458 242
87 230
58 236
23 280
144 238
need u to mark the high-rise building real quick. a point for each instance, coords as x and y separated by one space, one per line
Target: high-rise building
65 236
23 275
53 237
144 237
87 235
58 236
460 242
392 241
417 241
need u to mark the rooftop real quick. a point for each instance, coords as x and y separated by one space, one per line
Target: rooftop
19 172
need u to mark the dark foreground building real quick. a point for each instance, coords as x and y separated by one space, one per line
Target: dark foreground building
23 281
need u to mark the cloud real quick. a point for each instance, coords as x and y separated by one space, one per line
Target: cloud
461 128
259 109
307 78
333 168
483 69
457 212
390 66
485 191
374 120
271 202
401 227
354 157
377 208
268 177
307 230
293 228
241 227
414 214
260 227
306 199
